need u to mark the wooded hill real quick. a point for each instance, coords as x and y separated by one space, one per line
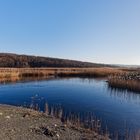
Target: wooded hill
25 61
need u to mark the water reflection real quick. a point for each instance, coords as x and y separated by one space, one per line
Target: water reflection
14 80
85 119
80 101
124 94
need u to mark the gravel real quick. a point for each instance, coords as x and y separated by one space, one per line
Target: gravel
17 123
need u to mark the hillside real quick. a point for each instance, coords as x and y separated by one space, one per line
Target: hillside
25 61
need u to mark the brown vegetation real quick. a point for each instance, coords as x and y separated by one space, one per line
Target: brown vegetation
117 78
130 85
90 72
46 72
126 81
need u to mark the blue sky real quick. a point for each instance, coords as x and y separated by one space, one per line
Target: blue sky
104 31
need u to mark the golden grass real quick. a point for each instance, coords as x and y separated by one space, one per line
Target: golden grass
30 72
24 72
89 72
113 75
127 81
130 85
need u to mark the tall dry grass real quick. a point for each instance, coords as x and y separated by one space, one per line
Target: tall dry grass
117 77
130 85
127 81
88 72
34 72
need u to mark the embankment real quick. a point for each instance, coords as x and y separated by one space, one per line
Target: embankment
18 123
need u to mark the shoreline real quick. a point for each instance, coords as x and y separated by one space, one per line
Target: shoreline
24 124
117 78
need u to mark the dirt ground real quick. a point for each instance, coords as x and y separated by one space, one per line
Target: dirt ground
17 123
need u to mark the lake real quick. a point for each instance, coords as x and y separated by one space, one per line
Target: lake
118 110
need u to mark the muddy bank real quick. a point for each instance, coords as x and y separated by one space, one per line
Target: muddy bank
17 123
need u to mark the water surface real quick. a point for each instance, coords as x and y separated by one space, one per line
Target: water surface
116 109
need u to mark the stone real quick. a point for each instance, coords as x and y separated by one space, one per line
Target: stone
7 117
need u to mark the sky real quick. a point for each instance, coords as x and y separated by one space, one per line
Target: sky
100 31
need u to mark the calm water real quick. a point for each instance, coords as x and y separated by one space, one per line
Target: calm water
117 110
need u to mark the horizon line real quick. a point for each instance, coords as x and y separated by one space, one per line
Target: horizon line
35 55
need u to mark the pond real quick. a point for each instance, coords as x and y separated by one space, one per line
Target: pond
118 110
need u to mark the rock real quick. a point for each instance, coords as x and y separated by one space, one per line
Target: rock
1 113
63 127
26 115
57 135
13 130
7 117
48 132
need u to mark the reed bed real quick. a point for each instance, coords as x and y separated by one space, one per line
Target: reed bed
117 77
127 81
25 72
41 72
89 72
125 85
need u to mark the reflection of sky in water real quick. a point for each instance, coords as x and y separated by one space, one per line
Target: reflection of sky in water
114 108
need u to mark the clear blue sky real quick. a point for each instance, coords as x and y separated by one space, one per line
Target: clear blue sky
105 31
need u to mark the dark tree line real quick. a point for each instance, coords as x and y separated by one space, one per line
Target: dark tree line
23 61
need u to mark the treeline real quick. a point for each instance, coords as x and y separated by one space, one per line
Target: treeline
25 61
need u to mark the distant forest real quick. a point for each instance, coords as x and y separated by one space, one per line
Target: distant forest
25 61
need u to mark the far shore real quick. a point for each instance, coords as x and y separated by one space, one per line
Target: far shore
42 72
117 77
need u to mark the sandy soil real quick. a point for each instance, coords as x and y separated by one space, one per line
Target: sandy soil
17 123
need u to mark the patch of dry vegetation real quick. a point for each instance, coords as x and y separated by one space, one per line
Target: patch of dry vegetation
42 72
128 81
117 77
129 85
89 72
25 72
